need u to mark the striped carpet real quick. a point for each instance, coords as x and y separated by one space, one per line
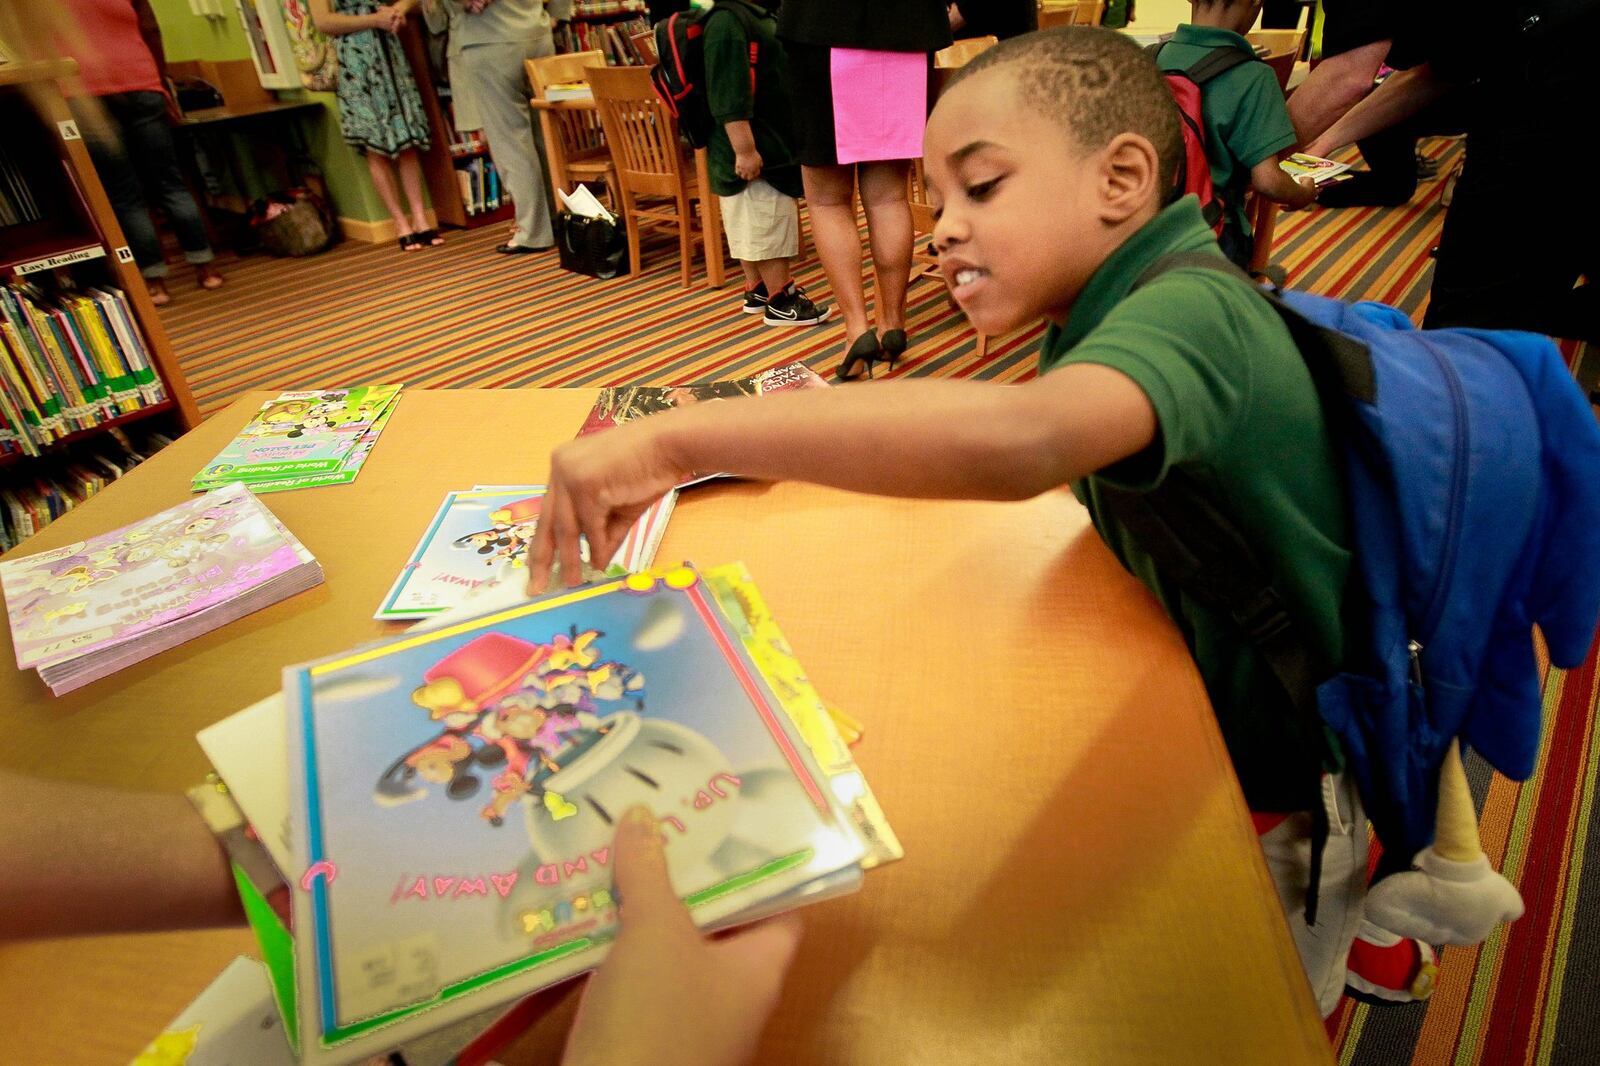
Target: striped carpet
462 317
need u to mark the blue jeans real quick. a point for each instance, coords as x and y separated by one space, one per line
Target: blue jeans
139 164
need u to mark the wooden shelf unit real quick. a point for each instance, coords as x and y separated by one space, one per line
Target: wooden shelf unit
79 227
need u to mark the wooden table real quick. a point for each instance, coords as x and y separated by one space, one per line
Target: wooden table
1081 882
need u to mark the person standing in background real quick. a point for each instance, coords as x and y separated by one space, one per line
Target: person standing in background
993 18
380 110
489 40
122 65
861 78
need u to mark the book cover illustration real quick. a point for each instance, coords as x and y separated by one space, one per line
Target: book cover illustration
349 467
1322 171
298 433
458 790
92 594
620 404
479 537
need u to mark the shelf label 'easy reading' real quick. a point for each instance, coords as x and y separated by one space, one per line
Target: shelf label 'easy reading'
77 255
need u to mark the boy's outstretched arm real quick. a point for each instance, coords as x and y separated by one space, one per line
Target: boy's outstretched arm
76 860
933 439
1270 180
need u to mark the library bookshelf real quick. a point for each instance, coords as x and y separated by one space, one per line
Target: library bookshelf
61 241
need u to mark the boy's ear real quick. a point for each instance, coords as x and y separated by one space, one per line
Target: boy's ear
1130 176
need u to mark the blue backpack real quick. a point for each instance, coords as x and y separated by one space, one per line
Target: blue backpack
1471 463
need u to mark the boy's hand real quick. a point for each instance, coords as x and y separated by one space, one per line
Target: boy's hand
668 994
598 487
747 164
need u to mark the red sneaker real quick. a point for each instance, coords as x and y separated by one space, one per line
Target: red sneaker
1385 967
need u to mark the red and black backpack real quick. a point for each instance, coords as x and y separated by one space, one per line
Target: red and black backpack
679 76
1194 167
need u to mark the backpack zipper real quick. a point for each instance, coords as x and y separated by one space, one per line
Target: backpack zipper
1453 518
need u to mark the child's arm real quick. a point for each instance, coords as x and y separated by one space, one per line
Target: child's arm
80 860
747 161
932 439
1270 180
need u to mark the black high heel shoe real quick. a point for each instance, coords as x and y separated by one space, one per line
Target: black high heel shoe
865 350
894 345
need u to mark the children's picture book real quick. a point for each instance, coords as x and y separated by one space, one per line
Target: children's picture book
454 793
479 537
625 403
297 434
1322 171
348 470
89 608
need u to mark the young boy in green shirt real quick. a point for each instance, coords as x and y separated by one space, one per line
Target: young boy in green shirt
1049 160
1247 124
751 159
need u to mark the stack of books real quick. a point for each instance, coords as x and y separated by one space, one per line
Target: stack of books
479 538
480 185
303 439
624 403
85 610
438 809
69 361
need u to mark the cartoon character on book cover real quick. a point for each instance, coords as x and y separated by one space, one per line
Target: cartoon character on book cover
468 783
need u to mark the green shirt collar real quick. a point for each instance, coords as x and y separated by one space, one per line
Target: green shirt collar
1178 228
1211 37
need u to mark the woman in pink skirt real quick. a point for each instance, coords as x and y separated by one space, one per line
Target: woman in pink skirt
861 75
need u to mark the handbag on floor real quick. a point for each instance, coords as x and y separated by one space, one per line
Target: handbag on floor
597 247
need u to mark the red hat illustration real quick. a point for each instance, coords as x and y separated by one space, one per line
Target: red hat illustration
477 674
518 511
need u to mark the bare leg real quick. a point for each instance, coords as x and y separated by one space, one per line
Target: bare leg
382 171
829 195
883 194
411 180
774 272
752 276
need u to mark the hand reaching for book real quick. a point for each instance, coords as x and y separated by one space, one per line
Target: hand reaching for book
598 487
667 994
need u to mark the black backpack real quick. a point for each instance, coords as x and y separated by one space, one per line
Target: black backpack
679 76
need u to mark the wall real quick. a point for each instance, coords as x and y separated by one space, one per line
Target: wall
187 36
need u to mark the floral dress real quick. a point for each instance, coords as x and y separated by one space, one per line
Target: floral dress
380 109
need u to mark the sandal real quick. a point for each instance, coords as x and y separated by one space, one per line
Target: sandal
429 238
410 242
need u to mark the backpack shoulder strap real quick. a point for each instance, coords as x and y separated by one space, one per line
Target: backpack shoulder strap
1197 546
1219 60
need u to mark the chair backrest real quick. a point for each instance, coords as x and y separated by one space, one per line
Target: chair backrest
1091 12
644 42
962 52
642 133
1050 18
1283 49
560 70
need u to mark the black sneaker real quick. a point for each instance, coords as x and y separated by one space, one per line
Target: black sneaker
792 307
755 300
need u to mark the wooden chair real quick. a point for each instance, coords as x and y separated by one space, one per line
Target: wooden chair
1050 18
651 163
574 141
1283 50
961 52
1091 12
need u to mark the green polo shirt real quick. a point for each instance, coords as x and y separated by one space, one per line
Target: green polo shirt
1246 118
1236 409
763 101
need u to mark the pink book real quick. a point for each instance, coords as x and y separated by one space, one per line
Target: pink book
84 609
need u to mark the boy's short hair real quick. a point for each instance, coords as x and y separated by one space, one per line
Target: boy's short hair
1097 82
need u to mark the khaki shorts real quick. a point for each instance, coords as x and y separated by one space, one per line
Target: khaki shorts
761 223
